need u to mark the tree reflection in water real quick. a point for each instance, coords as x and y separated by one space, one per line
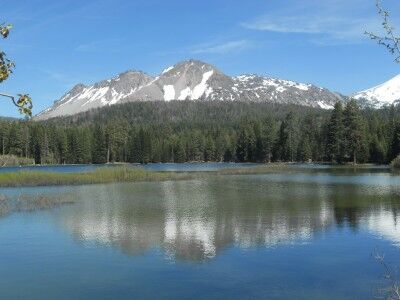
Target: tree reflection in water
194 220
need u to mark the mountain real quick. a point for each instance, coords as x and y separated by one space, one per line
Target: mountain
384 94
188 80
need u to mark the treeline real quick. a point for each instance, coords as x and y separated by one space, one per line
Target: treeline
211 131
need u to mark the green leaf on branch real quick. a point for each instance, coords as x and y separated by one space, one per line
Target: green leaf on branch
5 30
24 103
6 67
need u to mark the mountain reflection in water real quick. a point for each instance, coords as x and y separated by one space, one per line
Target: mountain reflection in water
195 220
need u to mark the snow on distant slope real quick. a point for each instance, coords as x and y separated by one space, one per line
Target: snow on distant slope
107 92
167 70
189 80
169 92
201 88
284 91
381 95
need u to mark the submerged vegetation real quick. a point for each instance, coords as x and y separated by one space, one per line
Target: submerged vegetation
28 203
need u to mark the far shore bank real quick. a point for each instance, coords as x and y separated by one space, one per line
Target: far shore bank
346 165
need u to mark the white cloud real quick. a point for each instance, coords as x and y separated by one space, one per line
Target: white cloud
213 48
62 79
222 48
333 21
108 45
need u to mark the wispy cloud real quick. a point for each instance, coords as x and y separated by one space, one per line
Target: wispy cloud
108 45
62 79
338 28
335 21
222 48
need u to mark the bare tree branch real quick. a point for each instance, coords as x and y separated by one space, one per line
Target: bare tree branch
389 40
24 103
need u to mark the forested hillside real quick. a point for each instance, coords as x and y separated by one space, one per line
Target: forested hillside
180 131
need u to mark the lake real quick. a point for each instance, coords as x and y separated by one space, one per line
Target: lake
305 233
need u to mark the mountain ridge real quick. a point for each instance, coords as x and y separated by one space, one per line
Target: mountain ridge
188 80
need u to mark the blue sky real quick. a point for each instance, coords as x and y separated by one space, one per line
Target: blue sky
57 44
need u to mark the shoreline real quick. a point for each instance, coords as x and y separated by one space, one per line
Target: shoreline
201 162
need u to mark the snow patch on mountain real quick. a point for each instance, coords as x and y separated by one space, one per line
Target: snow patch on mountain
167 70
280 84
169 92
384 94
324 105
185 94
201 88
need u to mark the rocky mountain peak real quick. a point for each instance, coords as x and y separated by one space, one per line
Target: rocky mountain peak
188 80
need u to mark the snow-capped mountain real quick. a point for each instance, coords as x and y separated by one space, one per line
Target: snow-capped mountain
188 80
384 94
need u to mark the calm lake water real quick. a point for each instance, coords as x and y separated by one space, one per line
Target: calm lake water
303 234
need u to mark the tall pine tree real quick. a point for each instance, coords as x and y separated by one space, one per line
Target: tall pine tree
354 131
336 135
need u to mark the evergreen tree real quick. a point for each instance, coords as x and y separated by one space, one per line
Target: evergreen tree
268 137
354 131
15 140
179 152
304 153
395 143
4 127
146 132
288 138
377 151
336 135
141 148
209 149
246 142
99 152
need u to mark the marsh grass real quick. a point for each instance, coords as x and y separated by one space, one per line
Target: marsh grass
131 174
119 174
111 175
101 175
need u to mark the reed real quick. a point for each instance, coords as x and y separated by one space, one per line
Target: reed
101 175
129 174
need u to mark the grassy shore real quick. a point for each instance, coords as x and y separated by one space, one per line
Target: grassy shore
118 174
101 175
129 174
